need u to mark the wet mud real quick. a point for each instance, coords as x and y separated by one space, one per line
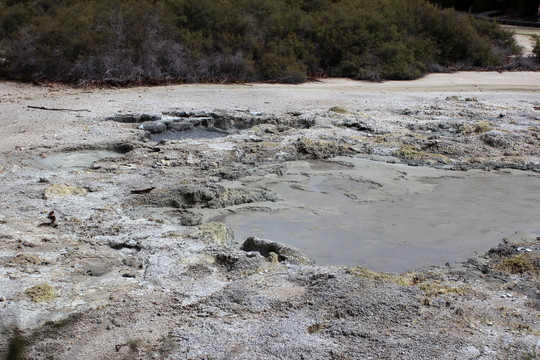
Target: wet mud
71 160
350 218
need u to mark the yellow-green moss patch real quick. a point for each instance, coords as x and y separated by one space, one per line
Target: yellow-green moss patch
482 127
466 129
479 127
435 287
475 160
41 293
255 148
410 152
520 264
64 190
215 232
338 110
322 149
406 279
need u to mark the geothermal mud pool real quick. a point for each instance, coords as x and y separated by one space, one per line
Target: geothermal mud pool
348 217
71 160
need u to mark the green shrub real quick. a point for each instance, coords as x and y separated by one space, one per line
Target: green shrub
139 41
536 50
498 36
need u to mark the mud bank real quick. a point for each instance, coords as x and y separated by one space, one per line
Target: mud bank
136 264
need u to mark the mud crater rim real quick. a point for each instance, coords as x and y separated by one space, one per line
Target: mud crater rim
175 125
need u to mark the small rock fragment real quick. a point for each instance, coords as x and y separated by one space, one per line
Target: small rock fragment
281 251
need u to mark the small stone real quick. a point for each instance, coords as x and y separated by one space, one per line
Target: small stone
471 352
133 262
440 303
2 298
184 126
97 269
131 243
282 252
154 127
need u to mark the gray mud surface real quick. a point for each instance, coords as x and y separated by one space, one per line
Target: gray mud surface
391 217
135 262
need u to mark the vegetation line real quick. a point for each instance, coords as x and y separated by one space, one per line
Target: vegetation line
126 42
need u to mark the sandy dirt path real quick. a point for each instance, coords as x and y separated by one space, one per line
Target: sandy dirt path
524 36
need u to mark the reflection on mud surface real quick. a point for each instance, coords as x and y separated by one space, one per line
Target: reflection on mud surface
73 160
459 216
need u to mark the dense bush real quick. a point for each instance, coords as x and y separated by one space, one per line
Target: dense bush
536 50
122 41
141 41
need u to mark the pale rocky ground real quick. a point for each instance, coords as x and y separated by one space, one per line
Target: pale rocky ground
152 275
